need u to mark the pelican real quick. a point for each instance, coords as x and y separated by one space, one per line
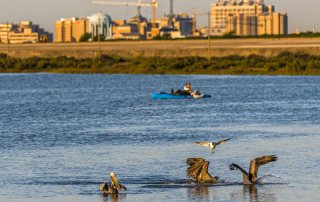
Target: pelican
254 166
212 145
114 188
198 170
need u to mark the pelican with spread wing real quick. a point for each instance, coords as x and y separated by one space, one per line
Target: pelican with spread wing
114 186
212 145
198 170
250 178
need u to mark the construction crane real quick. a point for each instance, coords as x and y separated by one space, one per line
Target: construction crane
171 24
194 17
138 4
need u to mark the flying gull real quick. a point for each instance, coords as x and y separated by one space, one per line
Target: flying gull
212 145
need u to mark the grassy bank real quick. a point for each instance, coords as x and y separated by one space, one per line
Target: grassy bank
283 64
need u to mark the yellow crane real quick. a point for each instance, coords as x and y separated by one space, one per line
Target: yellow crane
138 4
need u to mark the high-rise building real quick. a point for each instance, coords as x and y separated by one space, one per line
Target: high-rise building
247 18
272 24
71 29
242 25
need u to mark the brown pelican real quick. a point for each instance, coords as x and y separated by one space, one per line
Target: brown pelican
254 166
198 170
114 186
212 145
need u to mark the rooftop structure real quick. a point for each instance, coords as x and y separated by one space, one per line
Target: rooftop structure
245 17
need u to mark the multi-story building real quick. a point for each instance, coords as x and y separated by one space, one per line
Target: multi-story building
272 24
135 28
184 24
247 18
5 30
100 24
24 32
71 29
242 25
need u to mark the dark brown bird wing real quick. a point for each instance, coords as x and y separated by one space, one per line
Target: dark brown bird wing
123 187
234 166
223 141
255 163
194 167
198 169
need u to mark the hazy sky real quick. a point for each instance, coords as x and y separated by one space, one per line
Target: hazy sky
304 15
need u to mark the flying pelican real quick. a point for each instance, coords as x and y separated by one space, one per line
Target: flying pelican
254 166
114 188
212 145
198 170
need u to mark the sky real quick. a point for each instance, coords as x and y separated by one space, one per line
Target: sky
303 15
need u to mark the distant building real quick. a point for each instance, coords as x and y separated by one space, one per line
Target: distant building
247 18
272 24
24 32
182 26
100 24
71 29
135 28
5 29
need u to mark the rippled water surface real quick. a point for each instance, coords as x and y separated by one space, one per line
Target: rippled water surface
61 135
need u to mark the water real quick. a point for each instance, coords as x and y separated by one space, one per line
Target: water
61 135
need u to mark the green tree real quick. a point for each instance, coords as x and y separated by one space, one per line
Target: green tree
85 37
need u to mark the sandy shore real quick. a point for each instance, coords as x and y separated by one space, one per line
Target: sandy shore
174 48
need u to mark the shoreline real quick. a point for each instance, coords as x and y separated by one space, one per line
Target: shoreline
286 63
267 47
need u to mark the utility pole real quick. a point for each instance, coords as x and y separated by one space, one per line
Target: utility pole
171 24
99 40
209 36
154 15
194 27
8 48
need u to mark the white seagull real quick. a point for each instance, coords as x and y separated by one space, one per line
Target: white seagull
212 145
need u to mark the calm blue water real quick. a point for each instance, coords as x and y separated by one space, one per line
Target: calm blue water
61 136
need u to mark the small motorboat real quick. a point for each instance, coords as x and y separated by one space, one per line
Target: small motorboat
164 95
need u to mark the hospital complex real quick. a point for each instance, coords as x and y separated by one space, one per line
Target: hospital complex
234 17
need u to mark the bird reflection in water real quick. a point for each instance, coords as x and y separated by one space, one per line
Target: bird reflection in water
112 197
198 192
250 193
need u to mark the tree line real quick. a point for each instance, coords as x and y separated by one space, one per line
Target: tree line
286 63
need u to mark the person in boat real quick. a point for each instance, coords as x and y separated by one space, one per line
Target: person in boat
187 88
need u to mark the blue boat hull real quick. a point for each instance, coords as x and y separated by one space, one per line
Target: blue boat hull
170 96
